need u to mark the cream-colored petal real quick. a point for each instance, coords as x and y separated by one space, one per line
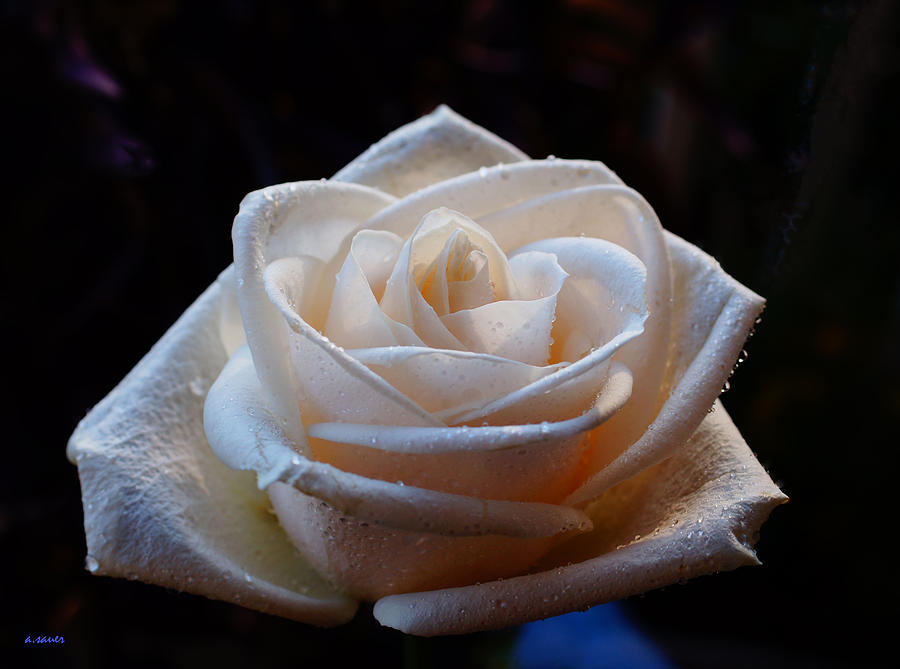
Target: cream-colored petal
368 561
303 218
537 274
404 303
515 329
354 317
479 193
475 288
619 215
602 296
436 147
712 317
245 434
399 439
328 384
161 507
600 269
434 284
230 325
696 513
376 252
434 238
529 473
446 382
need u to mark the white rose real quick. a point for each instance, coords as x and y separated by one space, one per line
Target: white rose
475 387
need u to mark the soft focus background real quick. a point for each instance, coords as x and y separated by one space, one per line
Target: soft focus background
763 132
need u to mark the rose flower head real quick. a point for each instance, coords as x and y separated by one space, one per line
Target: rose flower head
473 388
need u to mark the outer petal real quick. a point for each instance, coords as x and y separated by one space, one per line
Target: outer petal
693 514
712 316
433 148
160 507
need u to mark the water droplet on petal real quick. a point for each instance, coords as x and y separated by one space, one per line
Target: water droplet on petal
198 386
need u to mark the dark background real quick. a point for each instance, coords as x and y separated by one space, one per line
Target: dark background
763 132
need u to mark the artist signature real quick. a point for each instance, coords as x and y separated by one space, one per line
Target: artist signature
44 639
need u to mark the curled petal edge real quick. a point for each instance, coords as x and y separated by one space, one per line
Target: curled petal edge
725 484
279 222
485 191
234 410
273 282
696 382
404 439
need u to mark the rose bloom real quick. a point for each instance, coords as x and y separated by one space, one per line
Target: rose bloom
474 388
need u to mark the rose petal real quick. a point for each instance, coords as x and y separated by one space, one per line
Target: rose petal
619 215
448 382
479 193
160 507
400 439
230 325
435 285
693 514
368 561
245 435
540 474
354 317
376 252
403 300
328 383
475 291
591 264
515 329
537 275
713 315
433 148
267 229
284 221
602 296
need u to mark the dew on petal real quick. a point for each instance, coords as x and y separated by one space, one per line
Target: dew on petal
198 386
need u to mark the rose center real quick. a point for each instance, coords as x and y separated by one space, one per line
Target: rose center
458 278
